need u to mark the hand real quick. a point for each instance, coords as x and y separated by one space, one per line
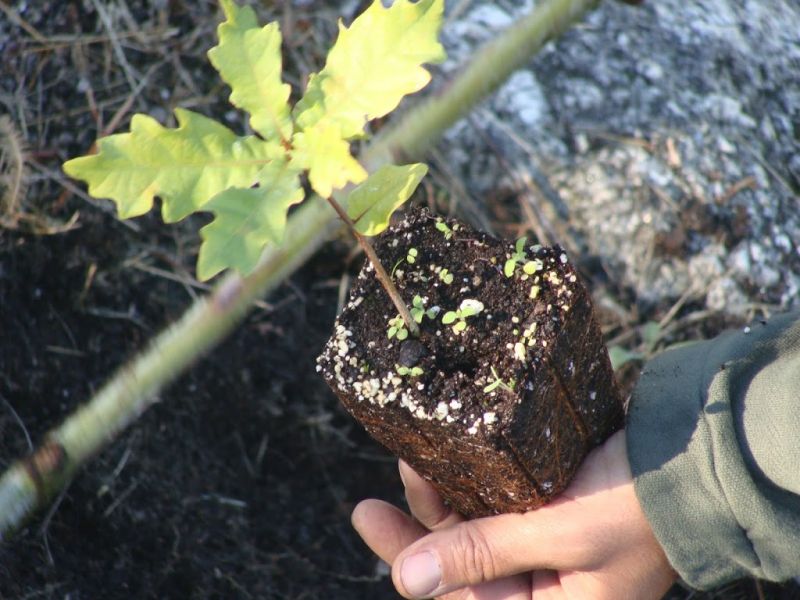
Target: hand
592 542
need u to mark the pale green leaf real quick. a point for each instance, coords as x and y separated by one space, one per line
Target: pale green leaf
373 64
248 58
247 219
322 151
509 266
620 356
185 167
651 335
372 203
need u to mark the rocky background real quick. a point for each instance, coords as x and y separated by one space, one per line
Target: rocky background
664 139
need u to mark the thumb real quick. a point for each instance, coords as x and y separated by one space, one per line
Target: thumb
474 552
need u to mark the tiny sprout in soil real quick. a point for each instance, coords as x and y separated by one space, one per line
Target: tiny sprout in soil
519 257
443 227
411 372
418 311
397 327
411 257
499 383
446 276
468 308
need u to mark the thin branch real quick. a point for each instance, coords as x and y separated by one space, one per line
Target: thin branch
380 272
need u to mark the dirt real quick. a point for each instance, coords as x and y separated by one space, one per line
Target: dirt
498 406
239 483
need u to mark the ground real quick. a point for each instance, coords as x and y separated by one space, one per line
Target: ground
240 481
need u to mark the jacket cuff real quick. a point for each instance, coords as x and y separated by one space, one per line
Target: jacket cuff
710 507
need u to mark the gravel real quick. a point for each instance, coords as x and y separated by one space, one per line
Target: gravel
671 132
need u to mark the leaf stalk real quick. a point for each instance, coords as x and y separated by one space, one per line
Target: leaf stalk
380 272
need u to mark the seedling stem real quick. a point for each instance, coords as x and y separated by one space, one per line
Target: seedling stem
380 272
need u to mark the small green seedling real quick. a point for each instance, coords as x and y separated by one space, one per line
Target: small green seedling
411 257
418 311
394 268
446 276
499 383
250 182
467 308
411 372
519 257
397 328
442 226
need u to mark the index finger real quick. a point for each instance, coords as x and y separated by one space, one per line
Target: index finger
424 501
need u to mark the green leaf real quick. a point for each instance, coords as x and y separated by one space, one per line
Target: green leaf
184 166
373 64
532 266
247 219
492 386
449 317
248 58
442 226
620 356
508 268
651 334
322 150
372 203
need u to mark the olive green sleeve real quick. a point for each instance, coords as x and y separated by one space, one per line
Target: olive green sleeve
714 444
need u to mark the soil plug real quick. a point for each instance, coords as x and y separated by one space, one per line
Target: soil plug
506 391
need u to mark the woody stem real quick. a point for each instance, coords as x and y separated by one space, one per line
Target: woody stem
380 272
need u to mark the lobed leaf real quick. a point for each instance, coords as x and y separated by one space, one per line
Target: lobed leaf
372 203
326 155
248 58
373 64
247 219
184 166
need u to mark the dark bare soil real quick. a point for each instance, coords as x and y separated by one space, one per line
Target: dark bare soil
239 483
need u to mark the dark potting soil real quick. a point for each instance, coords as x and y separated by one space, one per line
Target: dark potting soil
497 407
239 483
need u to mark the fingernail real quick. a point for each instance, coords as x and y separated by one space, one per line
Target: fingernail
421 574
400 470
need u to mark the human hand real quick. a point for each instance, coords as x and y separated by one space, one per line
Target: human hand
592 542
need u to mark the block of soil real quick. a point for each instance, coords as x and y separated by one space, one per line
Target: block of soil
509 384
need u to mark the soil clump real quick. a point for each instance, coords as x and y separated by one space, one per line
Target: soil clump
509 385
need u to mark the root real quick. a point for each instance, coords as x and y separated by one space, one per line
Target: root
13 173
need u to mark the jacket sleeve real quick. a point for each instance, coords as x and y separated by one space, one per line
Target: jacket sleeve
714 444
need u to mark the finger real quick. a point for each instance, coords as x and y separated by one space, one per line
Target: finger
545 585
385 529
474 552
508 588
424 501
